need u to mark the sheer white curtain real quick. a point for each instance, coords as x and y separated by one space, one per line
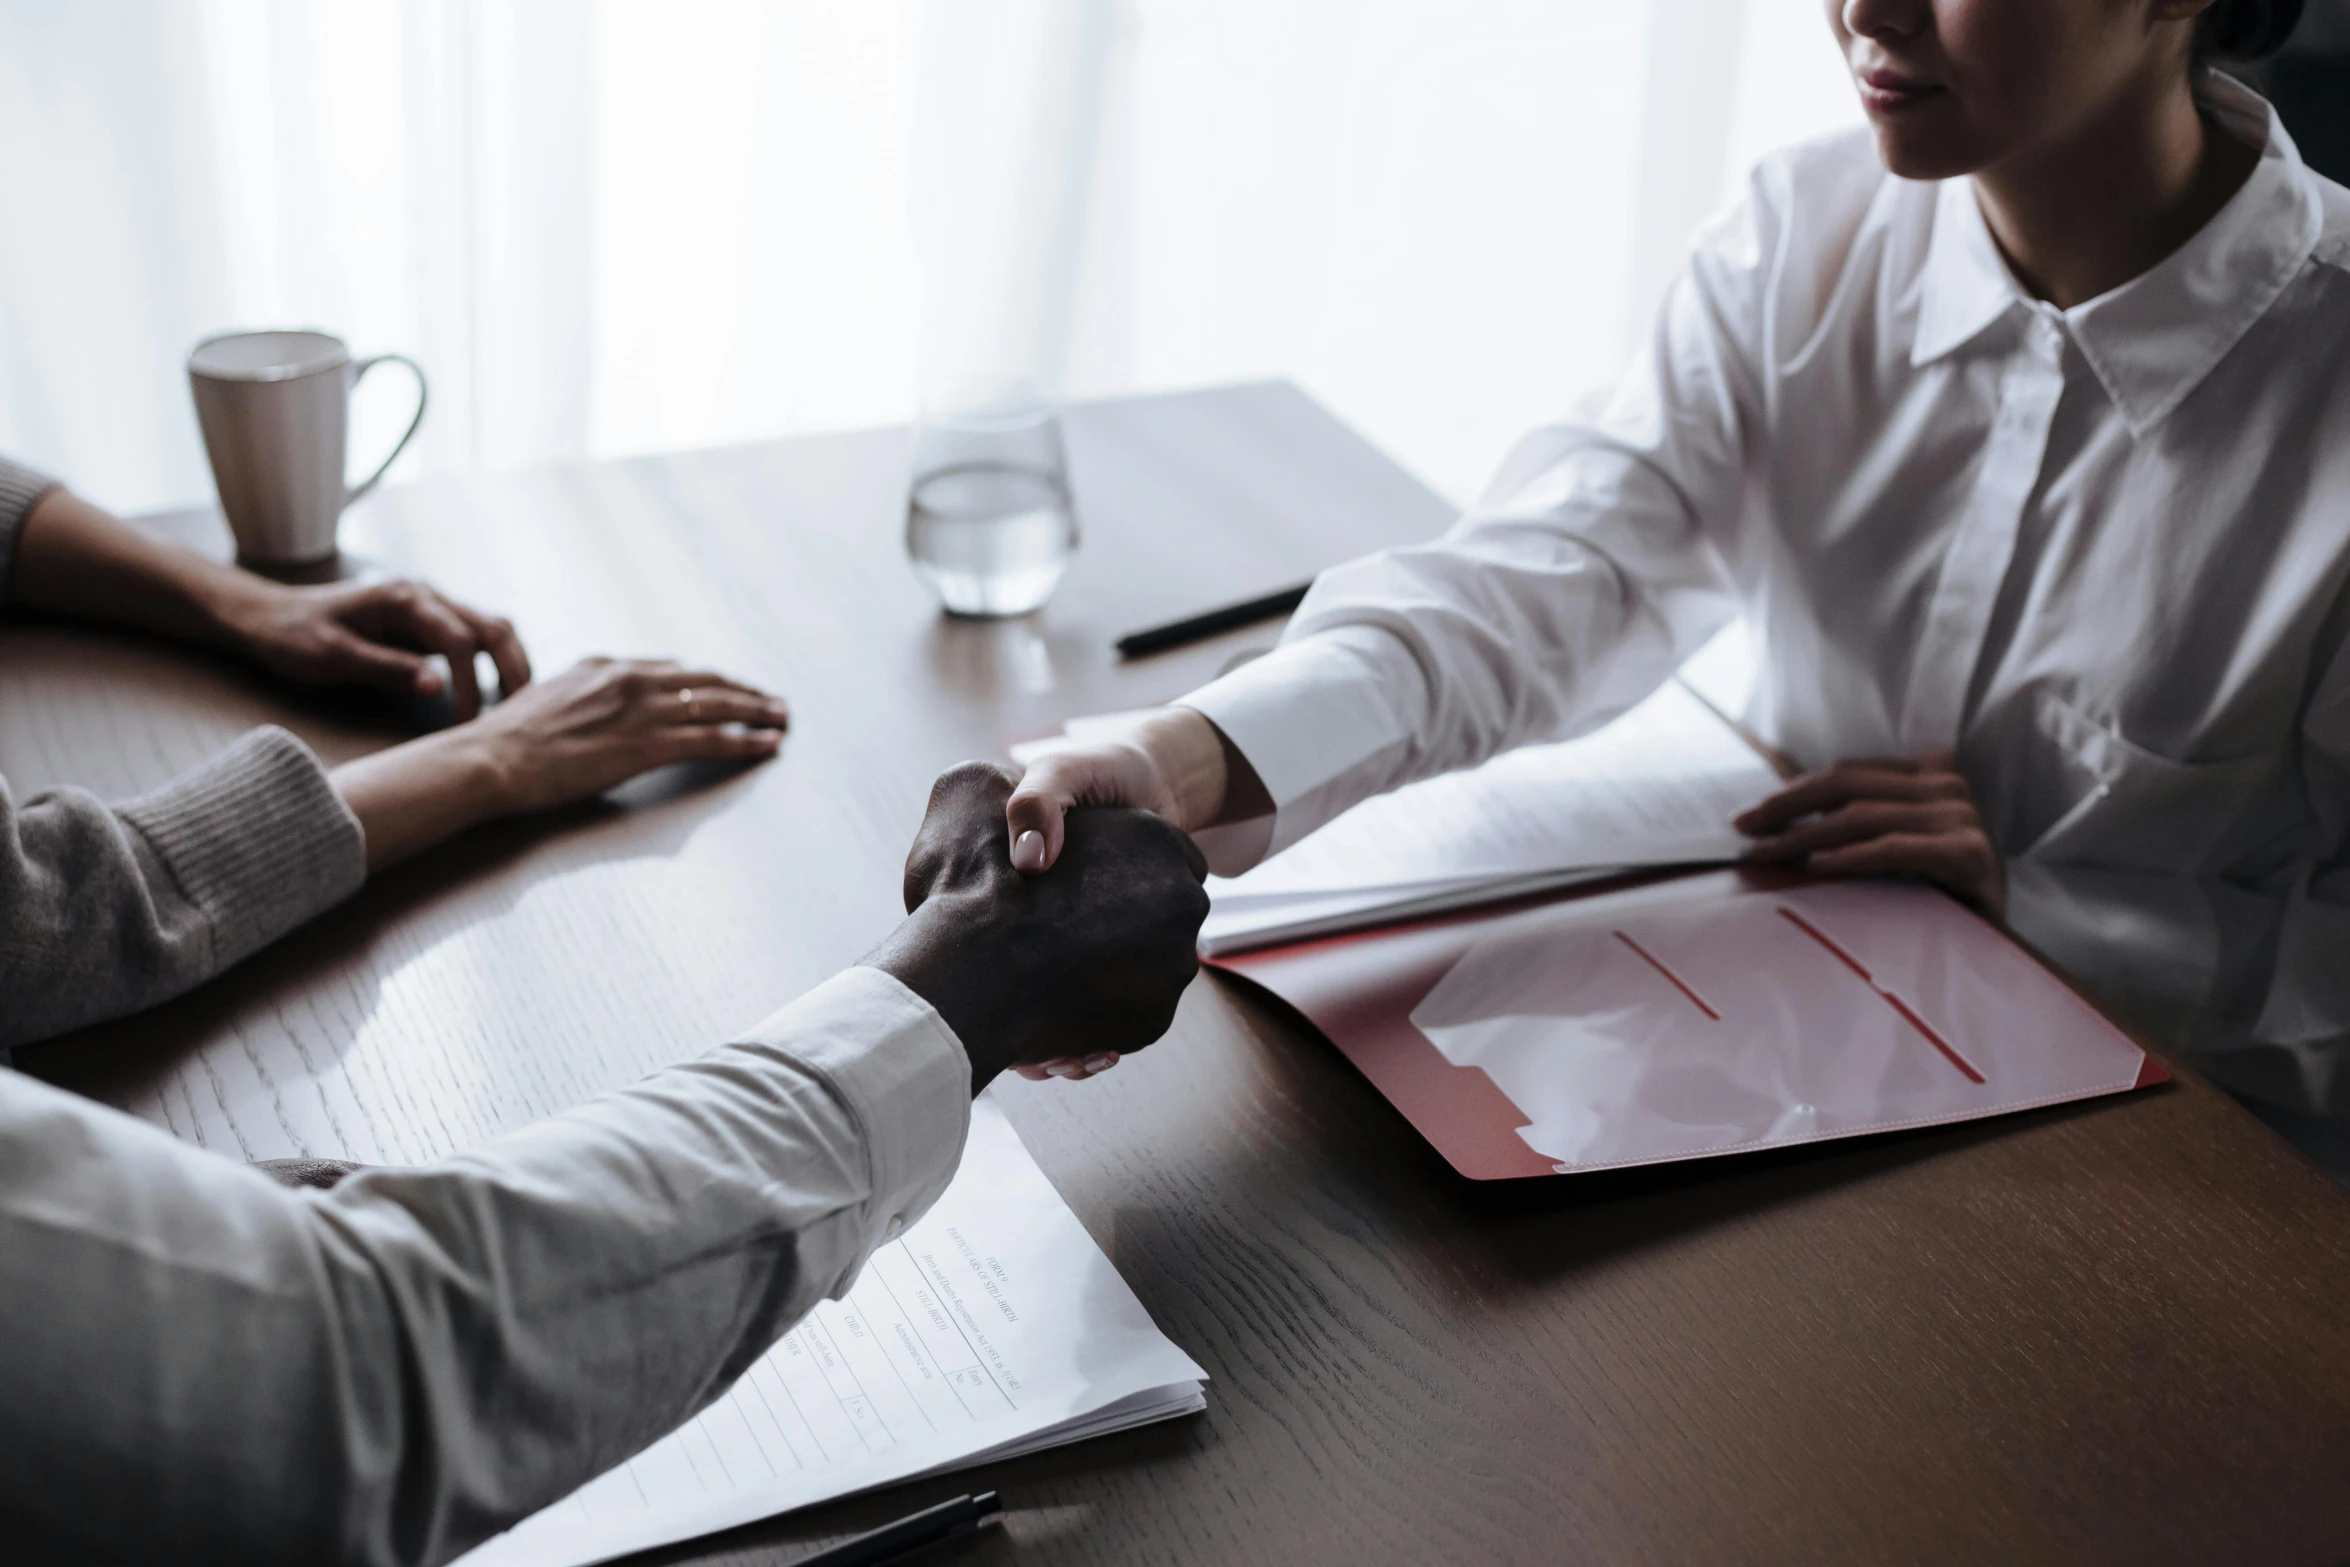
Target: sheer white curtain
625 225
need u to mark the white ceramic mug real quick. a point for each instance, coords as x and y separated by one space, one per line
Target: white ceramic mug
276 413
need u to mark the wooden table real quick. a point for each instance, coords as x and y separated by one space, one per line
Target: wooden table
2118 1332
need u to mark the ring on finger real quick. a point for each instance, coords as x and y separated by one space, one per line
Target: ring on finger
686 700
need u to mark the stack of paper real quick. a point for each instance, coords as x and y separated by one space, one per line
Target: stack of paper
993 1328
1656 787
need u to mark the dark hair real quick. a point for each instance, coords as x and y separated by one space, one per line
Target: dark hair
2244 29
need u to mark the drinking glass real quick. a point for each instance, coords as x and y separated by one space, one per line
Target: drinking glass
989 522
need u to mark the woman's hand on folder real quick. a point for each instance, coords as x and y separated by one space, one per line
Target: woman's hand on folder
1883 816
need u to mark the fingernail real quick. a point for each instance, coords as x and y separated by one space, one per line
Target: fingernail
1028 851
779 710
1062 1069
1100 1063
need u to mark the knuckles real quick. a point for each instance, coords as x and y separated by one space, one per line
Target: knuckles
1110 928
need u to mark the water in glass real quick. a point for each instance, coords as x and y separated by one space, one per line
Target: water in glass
990 539
989 524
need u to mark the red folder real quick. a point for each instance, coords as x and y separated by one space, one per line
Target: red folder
1689 1016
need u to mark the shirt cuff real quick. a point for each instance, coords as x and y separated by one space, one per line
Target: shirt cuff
1305 715
257 839
19 489
903 1074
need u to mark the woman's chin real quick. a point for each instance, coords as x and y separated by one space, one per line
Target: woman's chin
1913 150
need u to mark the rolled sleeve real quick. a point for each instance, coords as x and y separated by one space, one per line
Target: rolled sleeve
20 487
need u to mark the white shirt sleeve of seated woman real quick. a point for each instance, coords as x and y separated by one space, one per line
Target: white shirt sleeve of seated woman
1586 576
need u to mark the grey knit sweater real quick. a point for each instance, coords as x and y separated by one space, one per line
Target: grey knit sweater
107 909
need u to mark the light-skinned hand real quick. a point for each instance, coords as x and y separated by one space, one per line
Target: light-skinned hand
1883 816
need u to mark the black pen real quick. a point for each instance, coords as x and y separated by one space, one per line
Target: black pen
927 1527
1160 638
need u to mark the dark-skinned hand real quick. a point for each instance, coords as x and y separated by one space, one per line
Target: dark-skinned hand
1883 816
1085 960
376 633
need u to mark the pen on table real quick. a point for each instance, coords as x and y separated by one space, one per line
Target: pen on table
1158 639
927 1527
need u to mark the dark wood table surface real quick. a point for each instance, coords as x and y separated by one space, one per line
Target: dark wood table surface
2111 1333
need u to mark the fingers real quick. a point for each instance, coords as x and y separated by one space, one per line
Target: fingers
1875 778
1075 1069
1111 773
959 842
1966 863
1882 816
724 704
712 743
1859 821
447 633
495 634
676 694
1035 812
411 615
385 668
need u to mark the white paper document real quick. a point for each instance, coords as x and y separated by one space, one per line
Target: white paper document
992 1328
1656 787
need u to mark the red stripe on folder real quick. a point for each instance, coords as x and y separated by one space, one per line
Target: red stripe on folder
1820 936
1677 981
1937 1040
1891 1000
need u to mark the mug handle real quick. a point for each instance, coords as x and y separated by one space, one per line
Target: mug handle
360 369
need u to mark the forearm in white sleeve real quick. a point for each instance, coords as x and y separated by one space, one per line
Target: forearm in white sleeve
1592 570
199 1365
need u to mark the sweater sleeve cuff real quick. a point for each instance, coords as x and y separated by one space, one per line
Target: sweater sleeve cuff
19 489
257 839
905 1077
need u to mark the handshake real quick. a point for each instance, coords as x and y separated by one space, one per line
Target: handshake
1077 963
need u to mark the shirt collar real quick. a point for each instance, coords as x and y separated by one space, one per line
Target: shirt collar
2152 340
1967 285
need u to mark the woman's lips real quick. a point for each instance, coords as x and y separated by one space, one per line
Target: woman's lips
1889 92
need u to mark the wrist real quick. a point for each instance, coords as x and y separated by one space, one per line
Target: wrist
230 604
1210 780
480 773
1188 752
941 953
420 792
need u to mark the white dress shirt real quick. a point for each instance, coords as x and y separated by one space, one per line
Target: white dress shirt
2099 552
197 1364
